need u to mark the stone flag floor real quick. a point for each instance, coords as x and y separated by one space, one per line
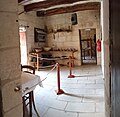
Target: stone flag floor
83 97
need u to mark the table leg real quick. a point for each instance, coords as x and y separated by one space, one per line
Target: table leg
32 93
23 99
30 103
37 61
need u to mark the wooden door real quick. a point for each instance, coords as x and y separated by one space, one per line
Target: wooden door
23 47
115 56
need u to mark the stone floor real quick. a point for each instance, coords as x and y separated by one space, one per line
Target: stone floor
89 60
83 97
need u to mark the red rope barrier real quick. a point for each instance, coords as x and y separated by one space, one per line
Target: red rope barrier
70 66
58 91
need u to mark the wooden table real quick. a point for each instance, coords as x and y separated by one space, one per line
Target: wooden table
38 57
29 82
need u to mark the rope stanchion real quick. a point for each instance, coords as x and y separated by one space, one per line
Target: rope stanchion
37 61
72 59
70 67
58 91
39 83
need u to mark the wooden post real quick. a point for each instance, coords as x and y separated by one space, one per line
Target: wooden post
58 91
70 66
37 61
72 59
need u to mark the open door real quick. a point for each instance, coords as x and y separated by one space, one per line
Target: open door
23 47
88 45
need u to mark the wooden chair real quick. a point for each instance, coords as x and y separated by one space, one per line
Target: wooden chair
28 69
28 99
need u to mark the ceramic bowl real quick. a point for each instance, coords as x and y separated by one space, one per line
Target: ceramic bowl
47 48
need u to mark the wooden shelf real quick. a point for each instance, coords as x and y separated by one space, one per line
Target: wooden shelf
56 50
59 30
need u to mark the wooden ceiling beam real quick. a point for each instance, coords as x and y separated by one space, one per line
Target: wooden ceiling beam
20 1
47 4
79 7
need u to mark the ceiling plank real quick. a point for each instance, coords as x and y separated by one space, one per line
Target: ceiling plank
48 3
79 7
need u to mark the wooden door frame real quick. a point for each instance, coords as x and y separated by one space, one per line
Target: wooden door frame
25 46
114 8
1 104
81 47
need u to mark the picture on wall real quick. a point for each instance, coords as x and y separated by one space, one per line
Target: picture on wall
39 35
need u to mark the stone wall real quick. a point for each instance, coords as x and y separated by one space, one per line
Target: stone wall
30 20
66 39
86 19
10 71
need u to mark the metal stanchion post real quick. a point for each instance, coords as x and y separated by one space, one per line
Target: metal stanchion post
72 59
70 66
58 91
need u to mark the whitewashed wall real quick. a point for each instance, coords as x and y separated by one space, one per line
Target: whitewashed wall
86 19
30 19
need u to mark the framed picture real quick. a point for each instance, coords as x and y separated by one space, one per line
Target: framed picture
39 35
